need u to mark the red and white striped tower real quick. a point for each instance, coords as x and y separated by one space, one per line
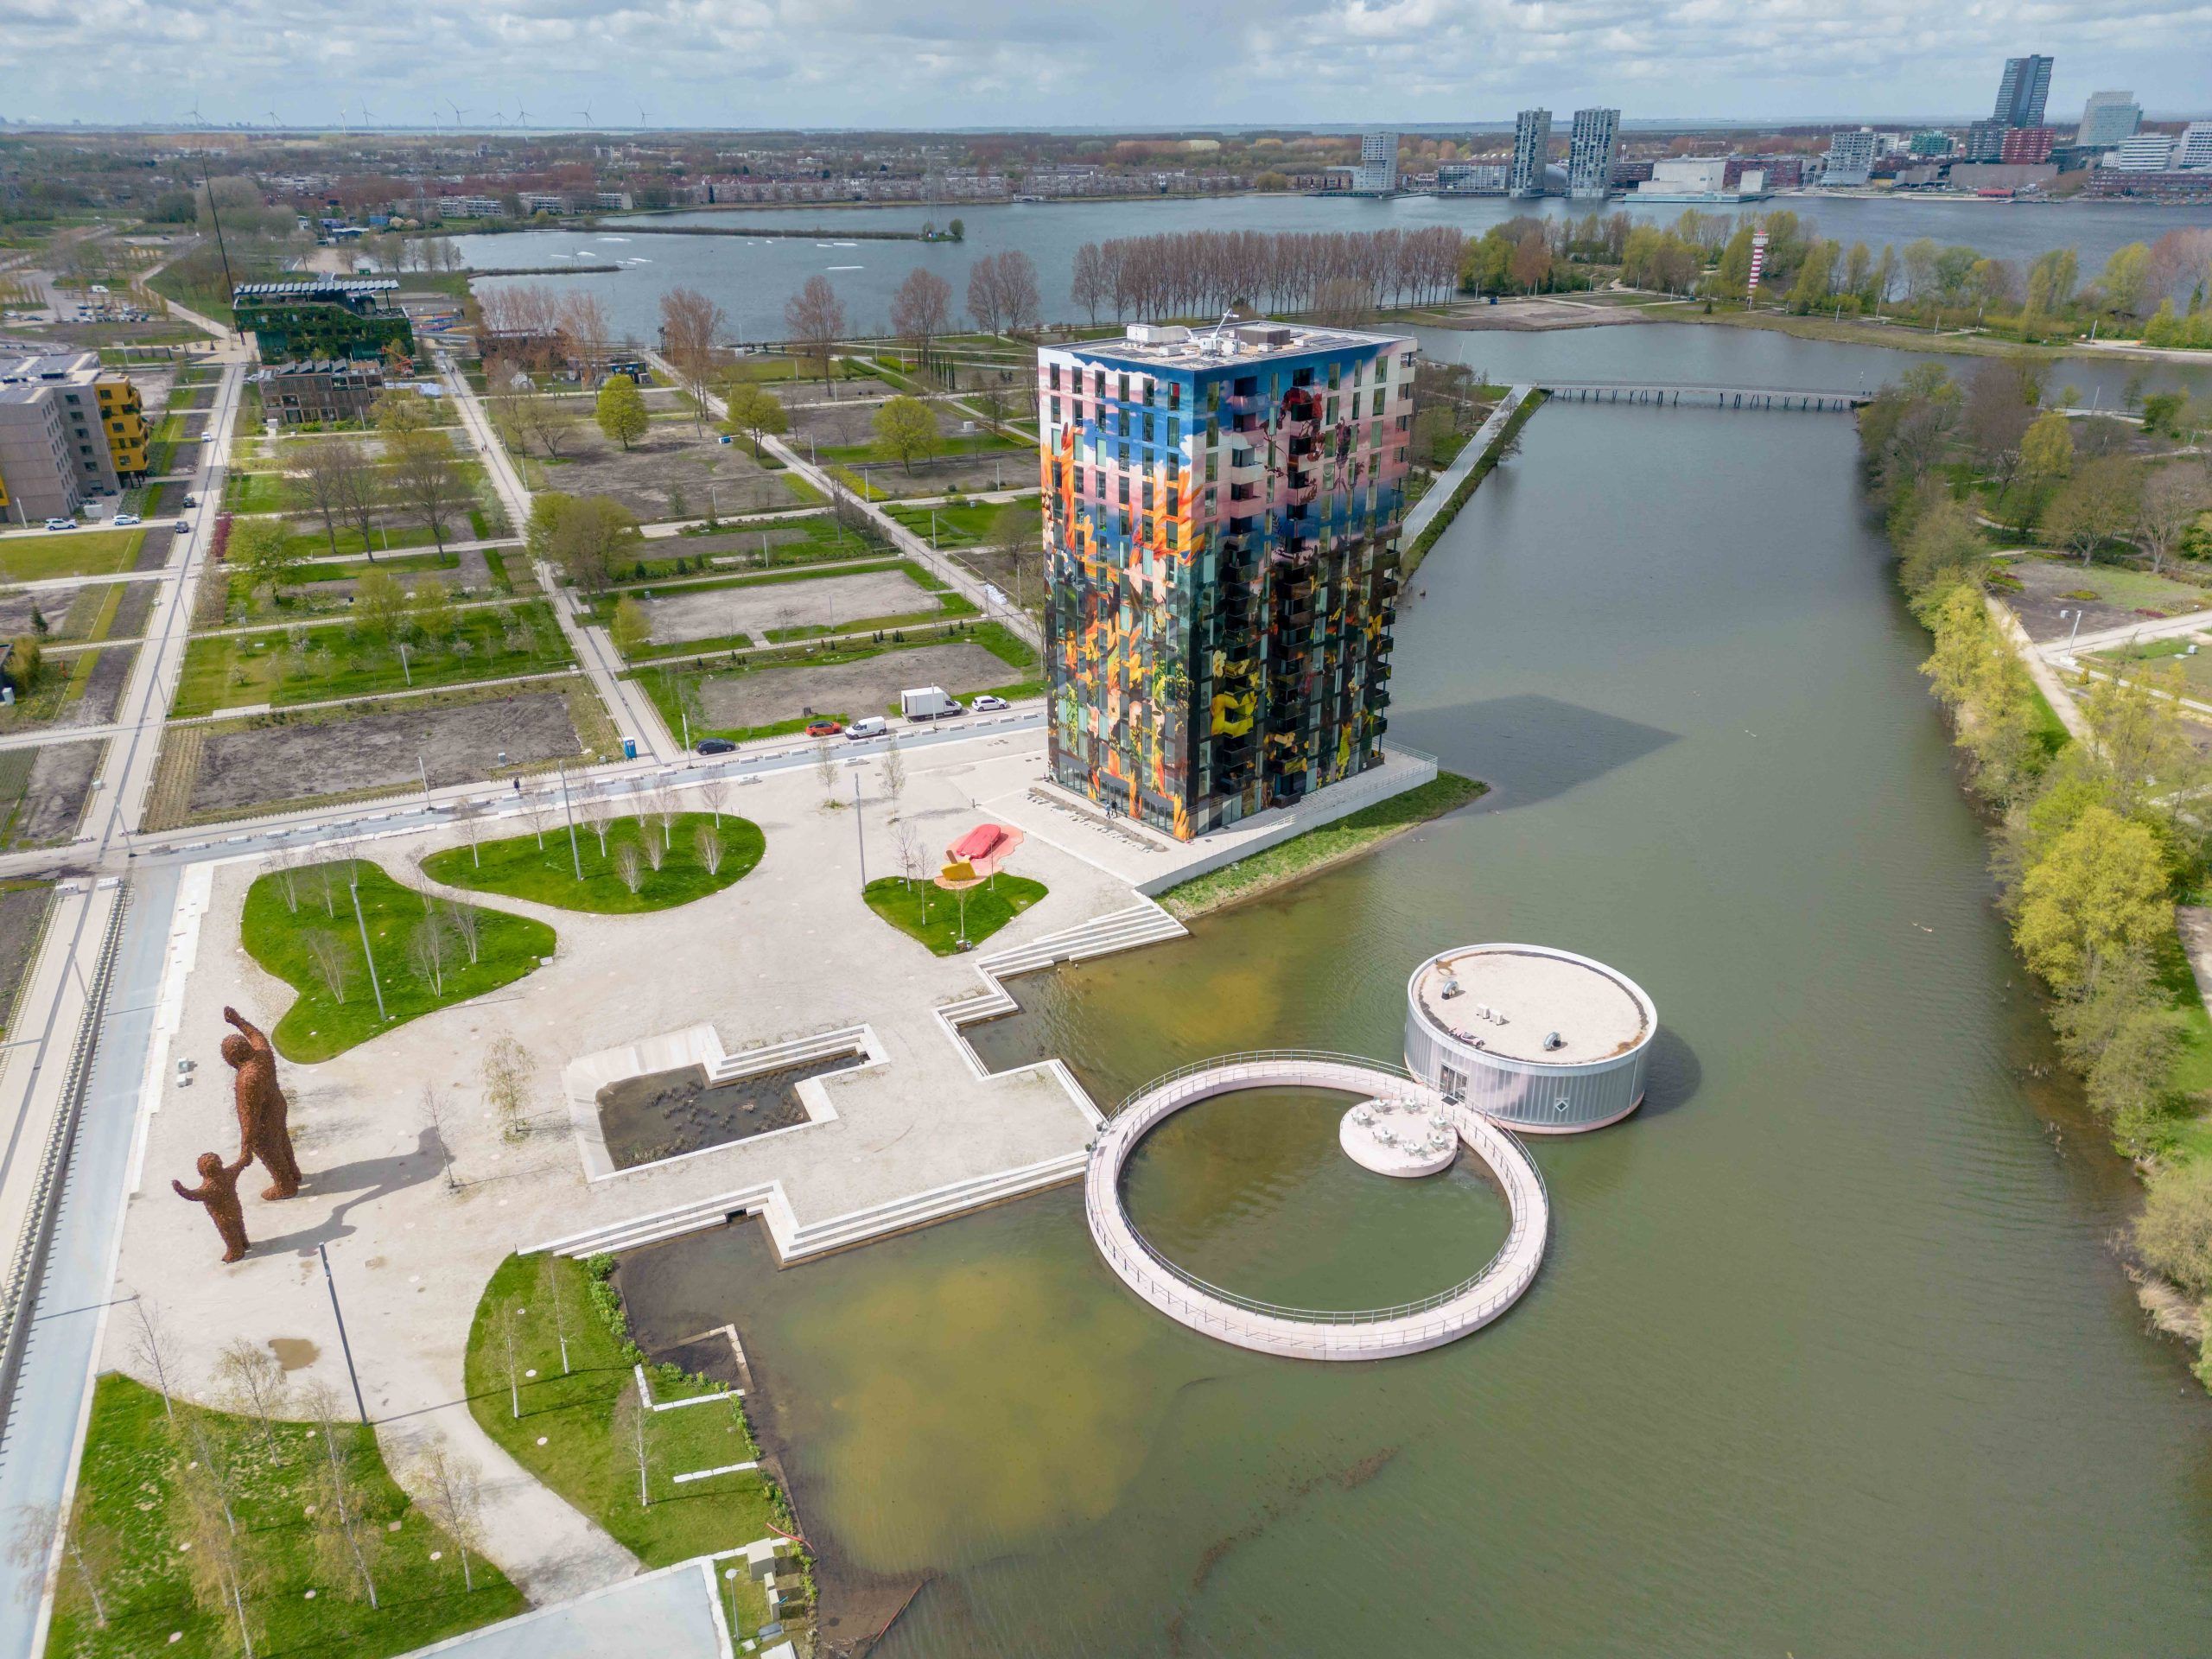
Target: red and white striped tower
1759 264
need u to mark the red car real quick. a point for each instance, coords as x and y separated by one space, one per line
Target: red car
823 728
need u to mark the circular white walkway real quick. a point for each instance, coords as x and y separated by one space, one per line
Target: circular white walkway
1309 1333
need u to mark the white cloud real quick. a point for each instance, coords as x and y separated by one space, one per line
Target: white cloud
854 63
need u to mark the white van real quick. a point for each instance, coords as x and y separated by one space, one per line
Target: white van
867 726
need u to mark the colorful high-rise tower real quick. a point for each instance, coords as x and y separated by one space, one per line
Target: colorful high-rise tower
1221 526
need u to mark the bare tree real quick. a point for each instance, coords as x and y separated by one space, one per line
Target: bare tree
985 303
434 1110
596 813
468 924
921 310
285 866
688 322
426 477
655 850
86 1549
816 318
332 959
222 1572
510 1319
448 1486
469 816
429 946
825 768
707 845
715 795
894 772
550 1290
585 331
629 866
506 1075
908 842
347 1542
537 807
255 1385
633 1424
2174 497
151 1347
664 808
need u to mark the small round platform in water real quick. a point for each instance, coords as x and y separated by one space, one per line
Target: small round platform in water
1398 1137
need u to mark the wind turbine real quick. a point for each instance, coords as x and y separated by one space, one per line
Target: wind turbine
274 124
367 119
644 117
585 112
522 117
198 118
457 113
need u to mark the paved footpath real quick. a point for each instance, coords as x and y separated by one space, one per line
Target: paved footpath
1463 463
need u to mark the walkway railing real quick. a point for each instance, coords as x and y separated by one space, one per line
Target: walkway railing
1248 1321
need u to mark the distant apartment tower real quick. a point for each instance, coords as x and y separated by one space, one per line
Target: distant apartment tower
2022 91
2194 153
2146 152
2107 119
1985 141
1532 150
2027 146
1220 534
1591 144
1377 173
1851 157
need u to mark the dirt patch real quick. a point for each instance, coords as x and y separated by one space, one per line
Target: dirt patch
154 552
2046 610
866 687
649 478
102 690
737 542
17 605
710 612
457 743
137 603
1535 315
23 910
53 801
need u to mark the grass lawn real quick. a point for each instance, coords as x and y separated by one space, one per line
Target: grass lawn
237 670
573 1414
948 445
69 553
129 1483
963 525
519 867
2131 589
1332 844
282 939
252 604
923 911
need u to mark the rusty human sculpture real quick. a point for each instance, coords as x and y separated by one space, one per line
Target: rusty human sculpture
219 1191
261 1105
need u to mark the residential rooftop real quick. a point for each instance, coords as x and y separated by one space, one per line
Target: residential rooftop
1243 342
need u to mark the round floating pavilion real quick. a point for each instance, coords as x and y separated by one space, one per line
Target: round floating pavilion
1542 1041
1317 1333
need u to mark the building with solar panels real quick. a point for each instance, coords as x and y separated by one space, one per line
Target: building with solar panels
322 317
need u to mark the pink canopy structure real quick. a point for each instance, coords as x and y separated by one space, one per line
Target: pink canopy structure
986 847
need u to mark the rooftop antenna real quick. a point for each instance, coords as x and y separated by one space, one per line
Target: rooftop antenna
1213 339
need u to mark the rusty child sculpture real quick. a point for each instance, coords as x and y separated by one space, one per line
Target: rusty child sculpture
219 1191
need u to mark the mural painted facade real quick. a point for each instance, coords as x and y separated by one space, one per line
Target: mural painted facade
1221 526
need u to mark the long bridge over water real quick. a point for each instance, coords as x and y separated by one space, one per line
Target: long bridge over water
1671 396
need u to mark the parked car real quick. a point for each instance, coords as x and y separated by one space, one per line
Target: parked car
191 501
124 520
62 524
872 726
987 705
716 745
823 728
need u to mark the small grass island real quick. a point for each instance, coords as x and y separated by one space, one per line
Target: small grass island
921 910
299 925
700 854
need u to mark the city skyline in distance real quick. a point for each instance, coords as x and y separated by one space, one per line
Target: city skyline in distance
867 64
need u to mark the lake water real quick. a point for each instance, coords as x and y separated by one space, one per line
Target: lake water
750 279
1828 1353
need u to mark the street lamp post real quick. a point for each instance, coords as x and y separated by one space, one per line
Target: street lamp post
354 883
576 858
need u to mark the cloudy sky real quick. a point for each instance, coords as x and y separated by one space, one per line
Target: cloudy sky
961 63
